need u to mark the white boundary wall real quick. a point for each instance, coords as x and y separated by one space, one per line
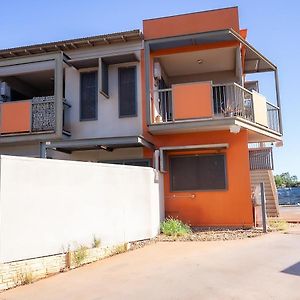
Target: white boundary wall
48 205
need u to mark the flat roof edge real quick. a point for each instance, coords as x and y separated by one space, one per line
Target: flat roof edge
192 13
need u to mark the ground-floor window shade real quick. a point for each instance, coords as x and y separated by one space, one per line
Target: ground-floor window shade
88 96
198 172
127 92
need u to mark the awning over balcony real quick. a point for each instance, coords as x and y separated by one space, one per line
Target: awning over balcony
81 63
108 144
254 60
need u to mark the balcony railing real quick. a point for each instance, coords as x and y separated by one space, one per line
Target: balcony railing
227 100
33 116
165 104
43 114
261 159
232 100
273 112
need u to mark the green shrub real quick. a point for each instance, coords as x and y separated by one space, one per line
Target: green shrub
96 242
277 224
79 255
120 248
23 277
174 227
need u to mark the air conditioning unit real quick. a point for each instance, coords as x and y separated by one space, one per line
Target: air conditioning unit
4 91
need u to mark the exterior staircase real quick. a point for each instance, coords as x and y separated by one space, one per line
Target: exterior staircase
261 166
266 176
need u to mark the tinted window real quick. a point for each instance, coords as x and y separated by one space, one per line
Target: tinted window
104 79
127 92
88 96
130 162
198 172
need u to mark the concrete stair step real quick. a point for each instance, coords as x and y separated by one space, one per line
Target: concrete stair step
259 176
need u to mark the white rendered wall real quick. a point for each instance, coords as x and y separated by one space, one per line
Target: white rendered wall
48 205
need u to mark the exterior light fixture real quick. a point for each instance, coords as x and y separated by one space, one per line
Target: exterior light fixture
235 129
199 61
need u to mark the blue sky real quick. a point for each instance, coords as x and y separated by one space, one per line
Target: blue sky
273 29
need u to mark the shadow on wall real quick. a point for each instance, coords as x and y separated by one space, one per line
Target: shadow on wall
293 269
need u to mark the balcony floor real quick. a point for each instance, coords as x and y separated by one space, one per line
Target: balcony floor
257 133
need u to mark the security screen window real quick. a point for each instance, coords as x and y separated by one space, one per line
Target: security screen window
88 96
127 92
198 172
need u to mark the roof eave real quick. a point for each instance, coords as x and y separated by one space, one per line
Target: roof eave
73 44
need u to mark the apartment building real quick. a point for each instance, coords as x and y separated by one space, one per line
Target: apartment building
174 96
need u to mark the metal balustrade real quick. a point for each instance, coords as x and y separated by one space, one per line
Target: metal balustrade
232 100
41 116
261 158
229 100
165 104
273 117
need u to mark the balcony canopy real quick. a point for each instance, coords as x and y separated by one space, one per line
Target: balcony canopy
108 144
254 60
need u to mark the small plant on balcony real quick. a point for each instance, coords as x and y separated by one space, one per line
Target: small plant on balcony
231 111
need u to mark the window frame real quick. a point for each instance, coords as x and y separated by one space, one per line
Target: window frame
96 71
136 92
199 190
122 162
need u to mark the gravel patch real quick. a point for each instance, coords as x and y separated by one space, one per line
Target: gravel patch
203 235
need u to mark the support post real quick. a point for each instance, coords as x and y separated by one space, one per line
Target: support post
147 84
43 150
58 91
263 206
278 100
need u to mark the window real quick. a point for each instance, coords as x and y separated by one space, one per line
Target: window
198 172
130 162
127 92
104 79
88 96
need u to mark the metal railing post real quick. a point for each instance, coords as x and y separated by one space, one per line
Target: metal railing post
43 150
263 206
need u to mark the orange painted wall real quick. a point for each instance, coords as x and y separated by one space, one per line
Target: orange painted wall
15 117
232 207
192 100
191 23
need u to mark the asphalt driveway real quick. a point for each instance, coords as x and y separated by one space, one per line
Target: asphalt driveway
266 267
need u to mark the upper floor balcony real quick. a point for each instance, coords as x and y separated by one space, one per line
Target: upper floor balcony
198 82
32 104
33 116
198 105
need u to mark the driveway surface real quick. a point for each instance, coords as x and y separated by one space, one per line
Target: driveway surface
266 267
290 213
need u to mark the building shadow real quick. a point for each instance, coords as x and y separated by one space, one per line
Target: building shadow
293 269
